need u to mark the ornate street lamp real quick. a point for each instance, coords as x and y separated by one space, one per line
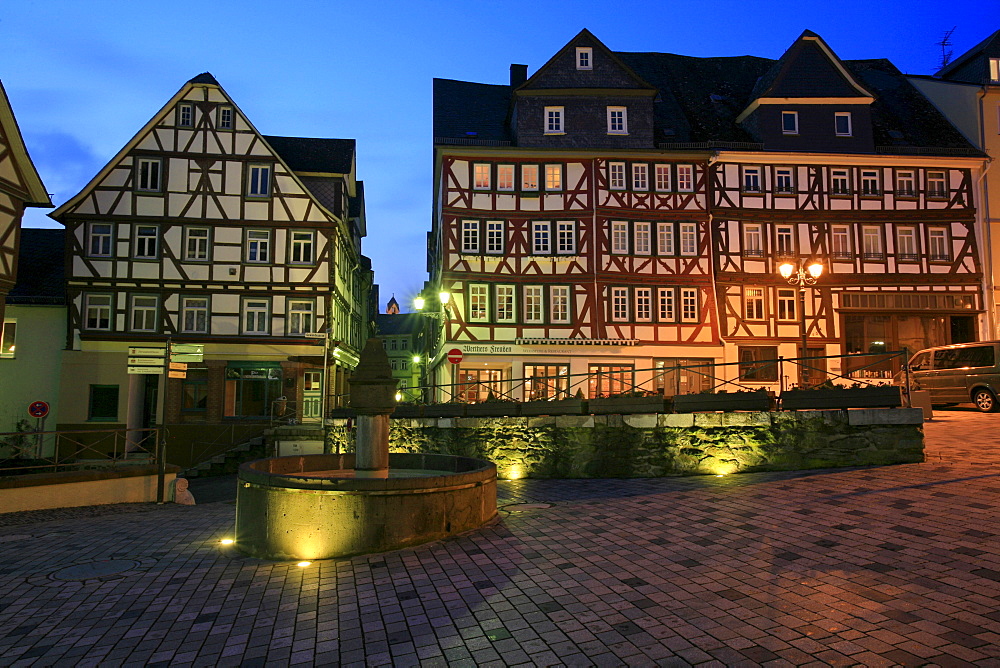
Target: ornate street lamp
801 275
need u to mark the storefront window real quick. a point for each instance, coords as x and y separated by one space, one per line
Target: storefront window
251 390
543 382
607 380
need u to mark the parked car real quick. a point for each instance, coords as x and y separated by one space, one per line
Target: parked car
958 373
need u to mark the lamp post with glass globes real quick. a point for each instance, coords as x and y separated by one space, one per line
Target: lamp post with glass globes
802 276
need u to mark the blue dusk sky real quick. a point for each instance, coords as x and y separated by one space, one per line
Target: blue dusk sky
84 76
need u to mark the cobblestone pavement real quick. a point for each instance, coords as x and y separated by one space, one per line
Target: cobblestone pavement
875 567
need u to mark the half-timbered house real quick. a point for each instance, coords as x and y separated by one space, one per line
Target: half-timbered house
20 187
201 230
617 215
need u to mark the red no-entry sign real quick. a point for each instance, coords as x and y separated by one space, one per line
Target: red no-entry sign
38 409
454 355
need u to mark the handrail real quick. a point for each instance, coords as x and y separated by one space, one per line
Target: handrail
68 448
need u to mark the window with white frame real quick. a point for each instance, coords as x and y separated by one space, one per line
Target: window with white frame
619 304
840 182
529 177
617 121
259 181
786 304
689 304
869 183
640 176
616 175
495 237
663 178
146 242
258 246
641 238
619 237
299 318
906 243
643 304
842 123
8 338
541 242
666 239
481 176
784 238
505 177
196 244
533 303
194 315
148 171
685 178
784 180
840 242
256 316
566 237
906 183
505 303
936 185
553 177
790 122
303 247
751 179
871 242
99 239
689 238
97 312
553 120
185 115
584 58
479 296
937 244
559 304
994 70
666 305
226 117
470 236
753 240
753 304
143 309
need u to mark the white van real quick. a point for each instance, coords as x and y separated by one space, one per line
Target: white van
959 373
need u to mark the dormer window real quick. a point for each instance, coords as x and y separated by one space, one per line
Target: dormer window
790 122
617 121
584 58
554 121
842 123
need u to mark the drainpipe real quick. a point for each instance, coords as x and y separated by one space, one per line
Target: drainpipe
987 226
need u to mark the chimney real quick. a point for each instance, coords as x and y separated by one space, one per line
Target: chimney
518 75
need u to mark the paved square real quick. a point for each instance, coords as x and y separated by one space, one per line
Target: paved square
875 567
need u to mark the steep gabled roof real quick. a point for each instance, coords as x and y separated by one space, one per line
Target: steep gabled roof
809 68
204 78
958 68
30 182
473 110
40 268
322 156
608 72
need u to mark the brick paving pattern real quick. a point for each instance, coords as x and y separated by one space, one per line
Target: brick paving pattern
883 566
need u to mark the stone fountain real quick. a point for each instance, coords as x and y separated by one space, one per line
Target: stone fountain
325 506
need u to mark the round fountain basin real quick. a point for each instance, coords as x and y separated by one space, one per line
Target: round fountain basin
313 506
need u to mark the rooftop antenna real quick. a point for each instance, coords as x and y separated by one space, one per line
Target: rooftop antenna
946 49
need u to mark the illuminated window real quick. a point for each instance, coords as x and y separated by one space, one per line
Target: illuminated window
481 176
529 177
533 303
505 177
505 303
478 302
553 177
8 338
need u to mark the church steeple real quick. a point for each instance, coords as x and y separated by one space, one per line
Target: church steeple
392 308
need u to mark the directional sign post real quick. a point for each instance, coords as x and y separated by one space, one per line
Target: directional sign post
146 361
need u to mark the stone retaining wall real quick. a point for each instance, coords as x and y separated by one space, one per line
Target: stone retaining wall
653 445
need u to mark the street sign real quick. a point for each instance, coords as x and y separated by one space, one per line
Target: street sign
145 370
454 355
178 366
186 358
187 348
38 409
145 361
177 374
147 352
314 335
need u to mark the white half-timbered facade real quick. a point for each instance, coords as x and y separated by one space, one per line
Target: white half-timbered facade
616 215
202 230
20 187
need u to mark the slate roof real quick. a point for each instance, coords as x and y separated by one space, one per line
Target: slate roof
326 156
204 78
41 263
989 47
700 98
397 324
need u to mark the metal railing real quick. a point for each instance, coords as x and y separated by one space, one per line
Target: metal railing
53 451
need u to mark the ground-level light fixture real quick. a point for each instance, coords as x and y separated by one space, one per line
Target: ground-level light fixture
303 564
226 541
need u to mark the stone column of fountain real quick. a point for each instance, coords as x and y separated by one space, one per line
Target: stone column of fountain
373 397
